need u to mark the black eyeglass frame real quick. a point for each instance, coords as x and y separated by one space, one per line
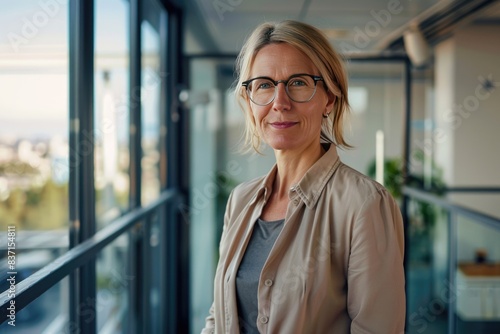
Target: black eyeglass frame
316 78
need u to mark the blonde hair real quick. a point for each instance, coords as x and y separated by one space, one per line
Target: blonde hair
316 47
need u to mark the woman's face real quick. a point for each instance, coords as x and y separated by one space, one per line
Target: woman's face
285 124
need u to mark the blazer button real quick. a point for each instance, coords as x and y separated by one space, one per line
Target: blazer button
296 201
264 320
268 282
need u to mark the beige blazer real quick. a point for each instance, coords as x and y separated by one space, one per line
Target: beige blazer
337 265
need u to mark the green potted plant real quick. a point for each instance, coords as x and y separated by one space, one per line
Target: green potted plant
423 216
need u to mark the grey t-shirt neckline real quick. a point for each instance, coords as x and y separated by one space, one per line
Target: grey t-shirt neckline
261 242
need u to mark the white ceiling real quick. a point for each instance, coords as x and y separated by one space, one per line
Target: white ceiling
221 26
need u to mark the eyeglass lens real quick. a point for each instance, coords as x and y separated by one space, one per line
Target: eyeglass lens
299 89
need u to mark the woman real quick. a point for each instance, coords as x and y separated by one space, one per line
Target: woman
314 246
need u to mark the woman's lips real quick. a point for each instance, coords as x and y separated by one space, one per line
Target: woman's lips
283 125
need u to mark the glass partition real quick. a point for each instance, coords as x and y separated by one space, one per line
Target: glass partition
477 280
453 269
427 268
376 94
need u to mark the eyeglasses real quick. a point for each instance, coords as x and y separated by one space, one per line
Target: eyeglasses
299 88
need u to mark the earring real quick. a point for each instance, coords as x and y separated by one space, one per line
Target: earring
326 116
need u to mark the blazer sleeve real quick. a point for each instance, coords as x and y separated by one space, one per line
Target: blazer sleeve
210 319
376 284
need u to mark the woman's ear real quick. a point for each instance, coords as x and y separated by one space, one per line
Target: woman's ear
330 102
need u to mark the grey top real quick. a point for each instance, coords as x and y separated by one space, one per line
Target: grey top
264 235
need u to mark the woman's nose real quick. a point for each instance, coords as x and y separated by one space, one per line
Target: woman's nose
281 100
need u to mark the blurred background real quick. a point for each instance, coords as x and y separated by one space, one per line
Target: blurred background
118 148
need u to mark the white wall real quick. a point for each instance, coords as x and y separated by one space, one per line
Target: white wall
469 120
476 140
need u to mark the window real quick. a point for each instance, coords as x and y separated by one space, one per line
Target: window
111 109
34 147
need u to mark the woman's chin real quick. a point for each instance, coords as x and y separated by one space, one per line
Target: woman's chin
282 146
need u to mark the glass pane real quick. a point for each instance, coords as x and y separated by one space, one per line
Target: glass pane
155 275
150 97
34 117
376 96
113 282
477 277
426 173
486 203
217 124
427 282
46 314
111 83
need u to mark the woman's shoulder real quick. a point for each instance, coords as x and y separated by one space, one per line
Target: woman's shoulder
352 181
360 194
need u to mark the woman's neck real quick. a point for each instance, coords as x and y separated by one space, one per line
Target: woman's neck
292 166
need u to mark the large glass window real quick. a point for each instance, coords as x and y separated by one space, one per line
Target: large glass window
34 116
111 138
151 78
36 101
111 108
34 166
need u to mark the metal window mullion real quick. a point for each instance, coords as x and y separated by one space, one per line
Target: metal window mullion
407 125
406 163
176 234
83 16
135 103
183 237
165 158
82 199
135 18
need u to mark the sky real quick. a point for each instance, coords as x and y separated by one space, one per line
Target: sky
34 61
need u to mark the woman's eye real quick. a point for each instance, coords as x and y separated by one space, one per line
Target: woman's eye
297 82
264 85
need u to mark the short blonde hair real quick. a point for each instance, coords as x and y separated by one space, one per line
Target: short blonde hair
316 47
